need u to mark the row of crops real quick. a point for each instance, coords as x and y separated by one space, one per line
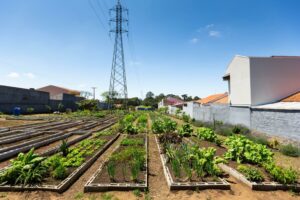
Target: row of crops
192 158
126 167
194 155
32 169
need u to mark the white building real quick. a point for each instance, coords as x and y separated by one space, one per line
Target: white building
263 95
256 81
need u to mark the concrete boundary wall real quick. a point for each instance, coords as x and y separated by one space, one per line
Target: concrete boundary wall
11 97
281 123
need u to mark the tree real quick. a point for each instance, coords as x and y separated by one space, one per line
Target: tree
85 94
184 96
160 97
174 96
150 94
105 96
150 101
88 105
196 98
190 98
135 101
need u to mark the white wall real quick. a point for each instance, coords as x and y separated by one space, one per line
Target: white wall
189 108
273 79
240 91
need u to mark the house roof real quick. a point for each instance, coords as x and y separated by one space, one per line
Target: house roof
223 100
55 90
280 106
292 98
215 98
291 102
173 101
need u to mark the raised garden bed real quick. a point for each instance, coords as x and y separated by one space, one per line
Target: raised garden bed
78 159
126 169
251 170
9 152
180 180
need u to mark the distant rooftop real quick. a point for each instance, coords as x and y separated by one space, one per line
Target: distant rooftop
293 98
215 98
55 90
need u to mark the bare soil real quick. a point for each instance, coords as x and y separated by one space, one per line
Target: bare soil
11 123
123 174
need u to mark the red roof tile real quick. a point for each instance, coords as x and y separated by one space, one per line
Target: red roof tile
215 98
293 98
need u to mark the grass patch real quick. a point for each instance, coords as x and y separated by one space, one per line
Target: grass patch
132 142
107 196
79 195
290 150
137 193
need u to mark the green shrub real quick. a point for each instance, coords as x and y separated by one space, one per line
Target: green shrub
185 130
251 173
239 129
186 118
158 126
169 125
25 169
290 150
207 134
236 130
131 129
280 174
242 150
193 159
88 104
60 172
64 148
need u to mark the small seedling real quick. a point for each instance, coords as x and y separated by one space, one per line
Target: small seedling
137 193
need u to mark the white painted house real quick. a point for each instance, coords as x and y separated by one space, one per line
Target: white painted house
263 95
256 81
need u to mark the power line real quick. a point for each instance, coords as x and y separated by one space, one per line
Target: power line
97 15
102 10
105 4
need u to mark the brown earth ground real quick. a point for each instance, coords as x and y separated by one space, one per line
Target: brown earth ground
10 123
158 189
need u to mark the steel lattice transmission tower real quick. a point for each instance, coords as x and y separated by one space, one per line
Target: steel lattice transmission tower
118 84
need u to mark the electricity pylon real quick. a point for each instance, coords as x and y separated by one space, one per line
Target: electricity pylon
118 84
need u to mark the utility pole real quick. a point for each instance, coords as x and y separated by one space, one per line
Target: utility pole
94 92
118 84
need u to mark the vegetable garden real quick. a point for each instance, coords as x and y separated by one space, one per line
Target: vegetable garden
191 158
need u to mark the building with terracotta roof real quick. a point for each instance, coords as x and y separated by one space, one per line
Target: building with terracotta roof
56 93
215 98
172 103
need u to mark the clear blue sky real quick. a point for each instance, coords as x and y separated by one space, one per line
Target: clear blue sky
175 46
